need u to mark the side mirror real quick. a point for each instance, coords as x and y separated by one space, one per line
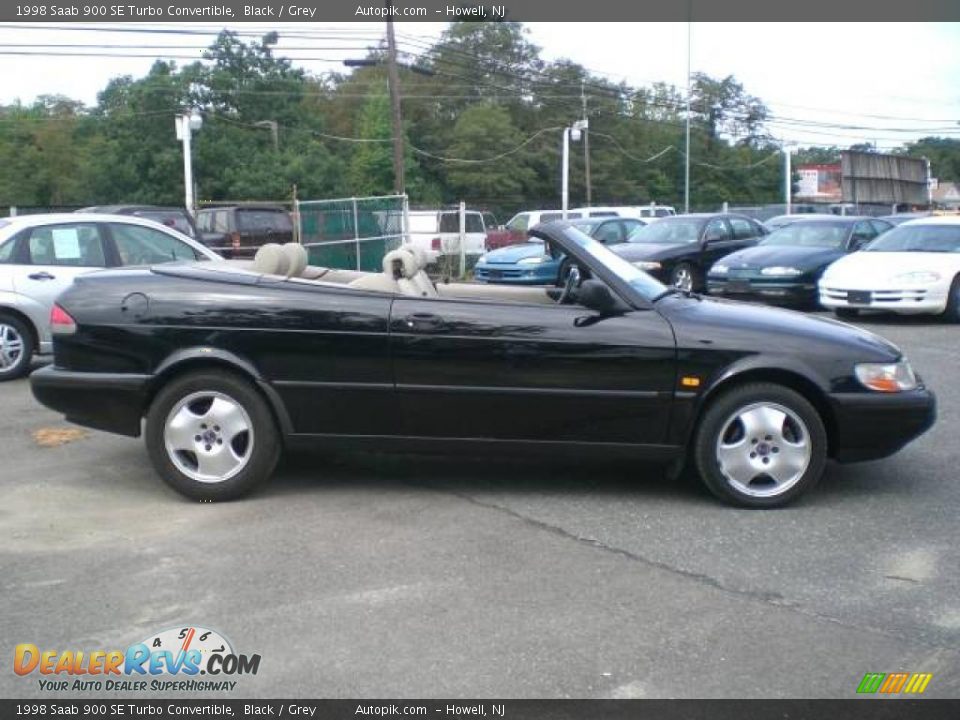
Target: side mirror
595 295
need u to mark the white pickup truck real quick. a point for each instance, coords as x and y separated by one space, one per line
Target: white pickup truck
437 232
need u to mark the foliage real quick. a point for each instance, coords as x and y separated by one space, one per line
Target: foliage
491 95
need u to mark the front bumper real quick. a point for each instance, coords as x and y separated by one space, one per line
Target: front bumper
104 401
778 292
513 275
870 425
930 299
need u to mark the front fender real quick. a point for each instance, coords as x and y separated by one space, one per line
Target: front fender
37 313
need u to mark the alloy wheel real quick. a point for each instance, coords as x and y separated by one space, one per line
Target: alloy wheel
11 348
763 449
683 278
208 436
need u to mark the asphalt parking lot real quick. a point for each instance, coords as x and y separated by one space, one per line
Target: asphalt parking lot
375 576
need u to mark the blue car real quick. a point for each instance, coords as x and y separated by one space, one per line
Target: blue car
530 264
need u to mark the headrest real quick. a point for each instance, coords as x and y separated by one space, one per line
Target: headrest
296 255
271 260
400 263
419 253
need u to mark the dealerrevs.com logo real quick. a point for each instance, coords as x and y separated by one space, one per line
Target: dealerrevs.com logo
168 661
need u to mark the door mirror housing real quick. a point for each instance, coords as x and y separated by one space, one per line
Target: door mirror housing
595 295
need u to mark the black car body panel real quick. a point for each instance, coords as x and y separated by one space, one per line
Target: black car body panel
363 368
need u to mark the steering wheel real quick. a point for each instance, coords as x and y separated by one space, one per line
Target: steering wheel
573 280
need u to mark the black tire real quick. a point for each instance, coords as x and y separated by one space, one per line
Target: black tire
846 313
719 424
15 359
952 313
563 272
687 270
255 463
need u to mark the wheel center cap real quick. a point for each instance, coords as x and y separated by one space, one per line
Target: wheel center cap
209 436
763 449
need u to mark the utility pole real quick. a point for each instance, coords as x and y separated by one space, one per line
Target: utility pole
186 125
787 179
586 146
393 81
686 155
272 126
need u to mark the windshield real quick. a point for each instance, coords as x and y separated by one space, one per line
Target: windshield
809 234
918 238
586 226
669 231
642 283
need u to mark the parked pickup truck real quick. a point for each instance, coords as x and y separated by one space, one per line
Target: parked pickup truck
515 231
437 233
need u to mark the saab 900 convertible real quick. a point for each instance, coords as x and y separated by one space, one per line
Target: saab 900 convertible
221 367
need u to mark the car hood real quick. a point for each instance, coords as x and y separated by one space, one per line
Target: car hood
802 258
869 268
514 253
727 324
650 251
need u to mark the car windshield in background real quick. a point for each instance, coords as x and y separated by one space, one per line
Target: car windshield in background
918 238
586 226
647 286
263 220
801 234
668 231
171 220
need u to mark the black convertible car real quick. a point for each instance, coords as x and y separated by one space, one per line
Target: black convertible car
227 365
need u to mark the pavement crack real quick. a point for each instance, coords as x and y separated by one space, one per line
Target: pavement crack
774 599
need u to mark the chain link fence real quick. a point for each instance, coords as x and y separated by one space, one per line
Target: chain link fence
351 233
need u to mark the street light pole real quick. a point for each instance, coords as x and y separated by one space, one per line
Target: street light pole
686 155
186 125
565 175
787 179
576 131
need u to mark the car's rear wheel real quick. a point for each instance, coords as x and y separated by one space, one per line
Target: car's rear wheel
16 347
760 446
212 436
564 272
846 313
686 277
952 313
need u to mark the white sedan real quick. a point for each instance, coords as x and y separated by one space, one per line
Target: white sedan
914 268
40 255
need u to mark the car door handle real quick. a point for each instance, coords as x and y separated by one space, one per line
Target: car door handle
423 321
41 276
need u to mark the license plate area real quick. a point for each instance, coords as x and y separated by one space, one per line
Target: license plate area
860 297
495 273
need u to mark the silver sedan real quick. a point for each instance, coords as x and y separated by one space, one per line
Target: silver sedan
40 255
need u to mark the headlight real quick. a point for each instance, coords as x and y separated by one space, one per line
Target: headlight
719 269
647 265
916 278
781 271
887 377
532 260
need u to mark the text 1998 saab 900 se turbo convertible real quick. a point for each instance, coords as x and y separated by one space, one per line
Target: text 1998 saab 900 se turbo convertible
223 366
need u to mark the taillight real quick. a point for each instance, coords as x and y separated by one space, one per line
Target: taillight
235 240
60 322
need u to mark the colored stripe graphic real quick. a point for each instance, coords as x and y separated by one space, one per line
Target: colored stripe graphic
871 682
918 683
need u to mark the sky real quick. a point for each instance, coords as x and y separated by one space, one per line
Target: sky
868 82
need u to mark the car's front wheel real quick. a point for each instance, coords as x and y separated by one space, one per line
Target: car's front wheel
686 277
16 347
760 446
211 436
952 313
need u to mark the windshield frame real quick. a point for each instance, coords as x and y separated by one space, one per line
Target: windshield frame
604 264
